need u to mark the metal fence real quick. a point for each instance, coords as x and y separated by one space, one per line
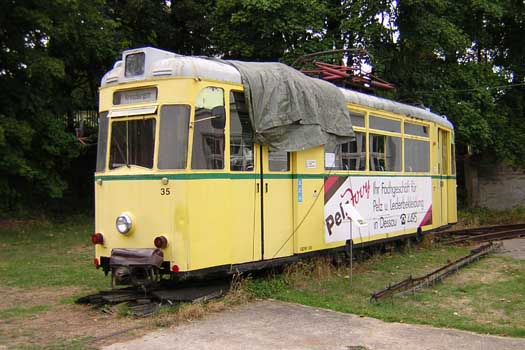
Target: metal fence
86 119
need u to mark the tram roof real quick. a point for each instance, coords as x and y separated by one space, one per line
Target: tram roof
161 64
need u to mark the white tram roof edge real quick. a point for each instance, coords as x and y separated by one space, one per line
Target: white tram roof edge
159 63
384 104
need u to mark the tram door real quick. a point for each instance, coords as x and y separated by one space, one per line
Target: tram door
277 199
443 167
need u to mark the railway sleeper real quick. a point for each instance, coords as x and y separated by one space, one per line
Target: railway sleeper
141 302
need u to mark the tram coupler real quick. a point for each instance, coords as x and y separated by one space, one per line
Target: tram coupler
135 267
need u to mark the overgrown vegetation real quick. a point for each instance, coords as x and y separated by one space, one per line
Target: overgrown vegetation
487 297
485 217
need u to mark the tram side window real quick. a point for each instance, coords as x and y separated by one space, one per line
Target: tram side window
347 156
385 153
417 156
416 129
102 141
453 158
241 134
132 143
278 161
208 130
357 118
173 138
384 124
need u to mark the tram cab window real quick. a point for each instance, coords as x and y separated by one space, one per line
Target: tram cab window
278 161
347 156
417 156
385 153
102 144
173 136
241 134
208 130
132 143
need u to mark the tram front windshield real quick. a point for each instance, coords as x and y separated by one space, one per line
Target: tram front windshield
132 143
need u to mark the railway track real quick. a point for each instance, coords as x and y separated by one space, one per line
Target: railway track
481 234
488 236
411 284
142 302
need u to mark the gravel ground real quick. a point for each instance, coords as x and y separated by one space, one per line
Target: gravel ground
514 248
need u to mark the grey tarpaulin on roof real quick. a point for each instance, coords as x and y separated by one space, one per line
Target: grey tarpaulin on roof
290 111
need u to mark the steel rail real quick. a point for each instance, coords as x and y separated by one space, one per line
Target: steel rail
487 237
410 284
479 230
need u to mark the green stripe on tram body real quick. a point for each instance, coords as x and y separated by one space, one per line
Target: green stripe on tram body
250 176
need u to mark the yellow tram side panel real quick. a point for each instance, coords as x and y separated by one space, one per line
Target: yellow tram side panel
434 169
444 191
309 214
245 220
451 183
209 236
452 201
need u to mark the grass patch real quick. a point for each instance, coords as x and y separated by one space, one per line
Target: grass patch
47 254
472 302
42 263
20 311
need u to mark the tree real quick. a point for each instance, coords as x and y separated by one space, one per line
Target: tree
268 30
191 26
51 57
449 56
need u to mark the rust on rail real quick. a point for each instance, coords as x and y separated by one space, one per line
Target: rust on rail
481 234
411 284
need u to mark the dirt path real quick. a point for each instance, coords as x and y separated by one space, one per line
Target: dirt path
278 325
59 323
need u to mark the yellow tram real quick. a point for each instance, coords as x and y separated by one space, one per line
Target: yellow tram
181 188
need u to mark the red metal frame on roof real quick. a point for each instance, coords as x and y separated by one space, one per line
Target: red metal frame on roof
341 75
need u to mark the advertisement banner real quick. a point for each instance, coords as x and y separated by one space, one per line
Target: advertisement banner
385 204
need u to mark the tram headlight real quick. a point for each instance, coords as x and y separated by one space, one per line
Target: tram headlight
124 223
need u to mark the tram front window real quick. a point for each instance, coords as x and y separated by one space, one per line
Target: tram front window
132 143
173 136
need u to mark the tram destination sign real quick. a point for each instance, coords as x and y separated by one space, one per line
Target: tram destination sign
387 204
125 97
